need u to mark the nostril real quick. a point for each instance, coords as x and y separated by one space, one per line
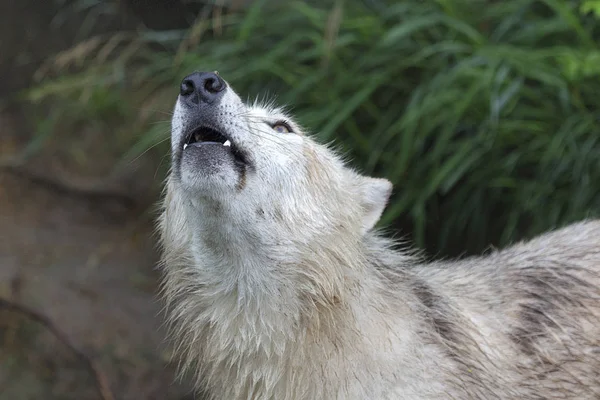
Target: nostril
213 85
187 87
201 87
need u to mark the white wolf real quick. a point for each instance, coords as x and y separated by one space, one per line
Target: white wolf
279 288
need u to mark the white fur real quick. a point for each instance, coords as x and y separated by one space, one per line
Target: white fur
280 289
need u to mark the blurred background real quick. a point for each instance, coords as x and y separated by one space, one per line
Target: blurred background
485 114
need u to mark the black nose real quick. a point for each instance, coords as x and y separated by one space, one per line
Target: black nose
202 87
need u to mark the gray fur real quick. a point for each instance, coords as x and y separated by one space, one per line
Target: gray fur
280 289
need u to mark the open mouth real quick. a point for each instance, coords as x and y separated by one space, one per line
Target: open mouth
208 136
205 135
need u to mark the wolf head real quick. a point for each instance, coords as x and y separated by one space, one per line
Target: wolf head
252 167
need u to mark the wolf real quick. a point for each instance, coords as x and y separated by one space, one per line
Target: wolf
279 286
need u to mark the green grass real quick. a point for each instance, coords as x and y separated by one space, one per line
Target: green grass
484 114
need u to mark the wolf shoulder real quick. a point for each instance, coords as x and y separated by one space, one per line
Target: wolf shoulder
562 263
577 243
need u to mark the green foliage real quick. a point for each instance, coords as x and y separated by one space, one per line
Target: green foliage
484 114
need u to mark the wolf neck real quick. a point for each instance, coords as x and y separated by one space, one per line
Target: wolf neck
259 272
241 300
250 259
247 298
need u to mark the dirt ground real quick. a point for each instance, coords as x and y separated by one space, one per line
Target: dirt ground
76 245
88 263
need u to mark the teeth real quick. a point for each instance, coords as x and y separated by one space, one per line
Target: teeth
227 143
184 146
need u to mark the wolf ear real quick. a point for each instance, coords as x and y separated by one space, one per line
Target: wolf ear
374 195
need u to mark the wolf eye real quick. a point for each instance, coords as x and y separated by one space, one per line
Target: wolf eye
281 127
